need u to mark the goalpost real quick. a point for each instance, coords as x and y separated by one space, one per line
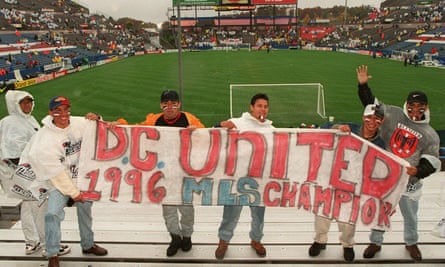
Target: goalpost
290 104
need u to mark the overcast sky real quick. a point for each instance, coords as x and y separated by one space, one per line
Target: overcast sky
156 11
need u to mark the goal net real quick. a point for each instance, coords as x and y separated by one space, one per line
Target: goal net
289 104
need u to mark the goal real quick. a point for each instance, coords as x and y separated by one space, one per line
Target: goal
289 104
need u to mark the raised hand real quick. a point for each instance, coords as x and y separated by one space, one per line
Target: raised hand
362 74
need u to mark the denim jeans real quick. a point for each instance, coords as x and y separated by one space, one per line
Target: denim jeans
171 218
55 215
230 219
409 208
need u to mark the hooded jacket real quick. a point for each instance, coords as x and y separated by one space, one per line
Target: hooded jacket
54 156
17 128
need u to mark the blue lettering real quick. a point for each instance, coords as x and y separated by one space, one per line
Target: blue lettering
204 188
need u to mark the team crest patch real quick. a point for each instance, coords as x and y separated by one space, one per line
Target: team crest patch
403 143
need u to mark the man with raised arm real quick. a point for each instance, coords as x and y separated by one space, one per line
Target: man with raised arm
407 134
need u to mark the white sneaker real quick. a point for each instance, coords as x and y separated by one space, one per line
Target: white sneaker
30 249
64 249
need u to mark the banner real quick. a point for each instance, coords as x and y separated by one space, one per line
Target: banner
328 173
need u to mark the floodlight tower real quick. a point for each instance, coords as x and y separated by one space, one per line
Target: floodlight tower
346 11
180 54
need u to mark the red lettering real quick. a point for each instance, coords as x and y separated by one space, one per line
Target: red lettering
149 162
384 213
344 142
134 178
317 143
102 151
322 197
155 194
92 194
289 194
305 197
258 154
368 211
340 197
266 198
355 209
212 155
379 187
280 155
114 175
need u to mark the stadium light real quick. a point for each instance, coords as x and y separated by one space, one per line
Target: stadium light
179 43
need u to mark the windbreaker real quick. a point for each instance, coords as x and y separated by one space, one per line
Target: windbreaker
17 128
54 155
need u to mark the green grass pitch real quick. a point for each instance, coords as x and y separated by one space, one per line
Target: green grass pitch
131 87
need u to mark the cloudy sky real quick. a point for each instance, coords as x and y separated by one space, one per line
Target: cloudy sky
156 11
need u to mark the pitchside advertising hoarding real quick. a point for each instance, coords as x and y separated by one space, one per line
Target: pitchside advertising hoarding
195 2
233 2
331 174
273 2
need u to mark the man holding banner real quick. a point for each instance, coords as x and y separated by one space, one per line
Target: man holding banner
372 118
53 153
172 116
257 118
408 135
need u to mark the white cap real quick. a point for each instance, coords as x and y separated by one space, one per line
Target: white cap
373 109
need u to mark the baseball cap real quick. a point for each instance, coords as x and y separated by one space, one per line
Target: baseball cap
373 109
58 101
169 95
417 96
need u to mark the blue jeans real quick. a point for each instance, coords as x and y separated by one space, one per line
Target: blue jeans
230 219
55 215
409 208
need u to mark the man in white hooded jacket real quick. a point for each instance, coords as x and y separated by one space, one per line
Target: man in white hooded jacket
54 156
16 129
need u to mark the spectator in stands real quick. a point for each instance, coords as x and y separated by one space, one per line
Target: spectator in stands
53 153
372 118
171 116
407 134
257 118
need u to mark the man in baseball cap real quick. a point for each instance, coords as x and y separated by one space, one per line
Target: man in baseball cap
58 101
408 135
374 109
369 129
169 95
54 153
180 229
417 96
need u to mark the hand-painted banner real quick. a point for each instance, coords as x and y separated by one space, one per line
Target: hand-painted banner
325 172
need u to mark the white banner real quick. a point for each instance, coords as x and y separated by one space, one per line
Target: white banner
328 173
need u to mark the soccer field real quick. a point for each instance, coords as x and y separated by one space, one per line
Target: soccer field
131 87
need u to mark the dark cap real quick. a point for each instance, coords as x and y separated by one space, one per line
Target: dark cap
58 101
169 95
417 96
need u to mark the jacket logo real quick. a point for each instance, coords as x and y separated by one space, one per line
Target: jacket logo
403 143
